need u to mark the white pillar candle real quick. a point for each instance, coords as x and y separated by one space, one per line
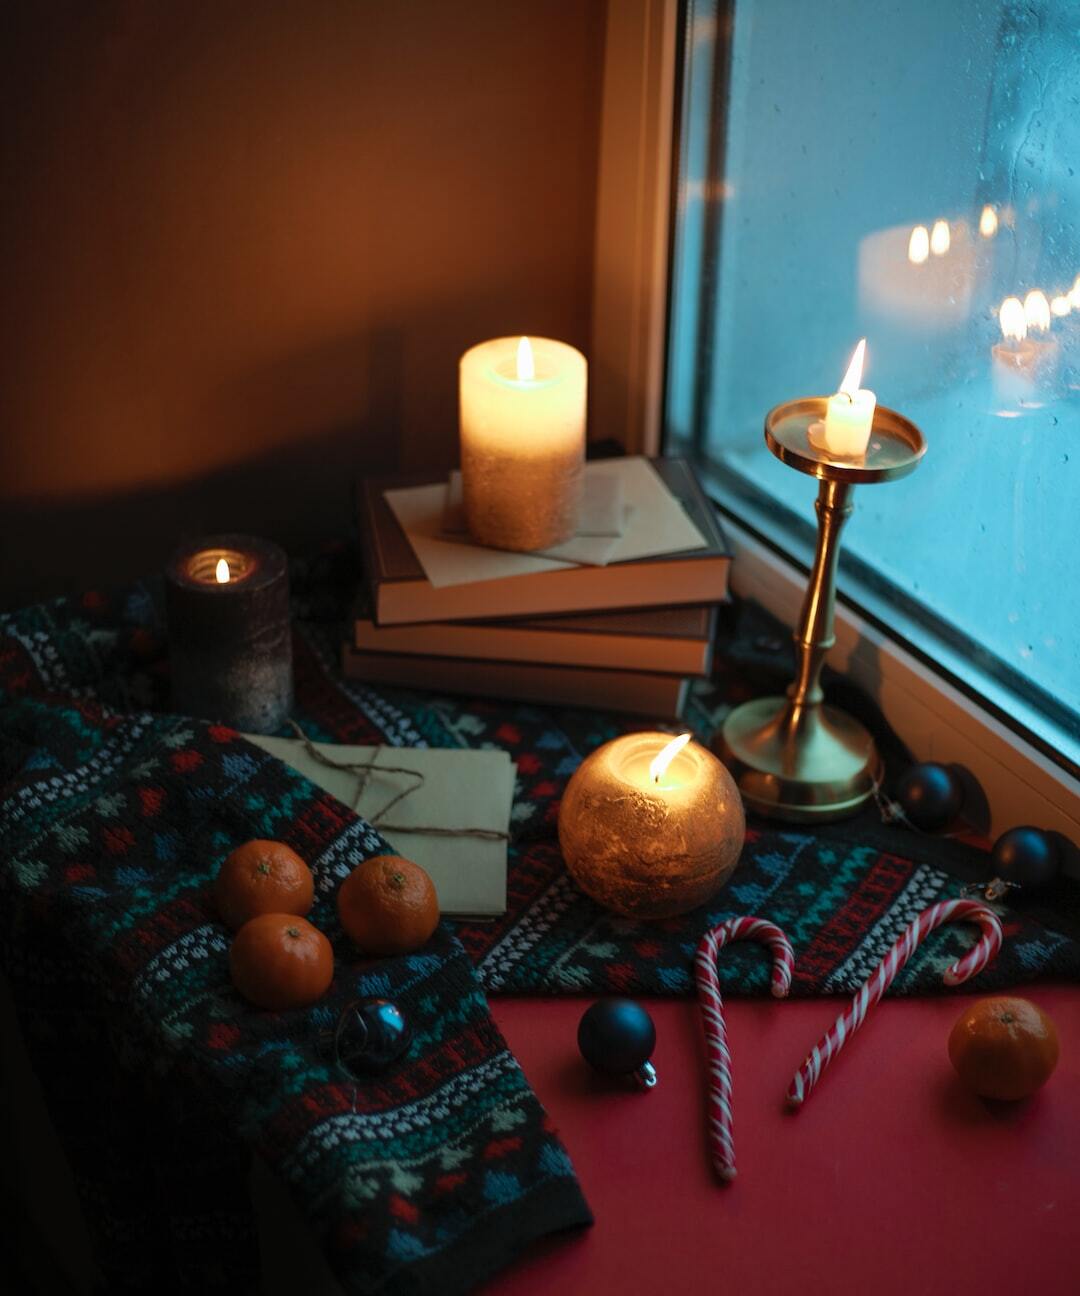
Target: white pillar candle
849 415
522 412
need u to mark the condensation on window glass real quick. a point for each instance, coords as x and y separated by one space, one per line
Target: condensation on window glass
910 172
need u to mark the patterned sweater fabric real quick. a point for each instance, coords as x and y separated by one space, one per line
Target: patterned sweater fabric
115 817
159 1076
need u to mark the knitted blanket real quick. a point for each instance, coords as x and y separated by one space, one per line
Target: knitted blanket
115 818
161 1079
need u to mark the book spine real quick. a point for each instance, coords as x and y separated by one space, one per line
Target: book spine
369 548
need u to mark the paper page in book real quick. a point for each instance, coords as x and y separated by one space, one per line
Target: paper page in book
460 789
419 511
657 525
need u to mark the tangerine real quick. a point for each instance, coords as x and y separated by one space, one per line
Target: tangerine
279 960
1004 1047
388 905
262 877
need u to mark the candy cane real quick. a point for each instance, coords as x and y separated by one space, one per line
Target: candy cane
721 1128
884 974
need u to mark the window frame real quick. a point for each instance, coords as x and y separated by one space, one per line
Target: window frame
935 712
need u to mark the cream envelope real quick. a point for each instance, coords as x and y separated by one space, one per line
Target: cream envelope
657 524
460 789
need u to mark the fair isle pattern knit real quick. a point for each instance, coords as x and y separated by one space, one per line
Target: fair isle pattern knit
117 816
114 825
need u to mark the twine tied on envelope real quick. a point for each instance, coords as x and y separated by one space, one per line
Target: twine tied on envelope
363 769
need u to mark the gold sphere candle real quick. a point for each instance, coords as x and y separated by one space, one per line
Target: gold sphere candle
651 826
522 413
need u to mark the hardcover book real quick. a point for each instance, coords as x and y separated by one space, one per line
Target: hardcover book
674 640
400 591
635 692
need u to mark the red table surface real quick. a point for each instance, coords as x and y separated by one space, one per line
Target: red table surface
892 1178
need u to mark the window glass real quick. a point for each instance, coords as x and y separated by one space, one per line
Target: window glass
907 172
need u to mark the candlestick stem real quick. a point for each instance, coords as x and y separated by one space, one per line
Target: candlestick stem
794 757
814 635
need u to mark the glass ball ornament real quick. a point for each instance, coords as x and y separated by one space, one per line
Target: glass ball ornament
370 1035
930 795
1026 857
647 845
617 1037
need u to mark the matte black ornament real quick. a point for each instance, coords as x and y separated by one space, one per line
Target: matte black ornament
930 795
370 1035
1026 857
617 1037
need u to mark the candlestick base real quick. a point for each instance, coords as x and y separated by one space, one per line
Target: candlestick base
800 763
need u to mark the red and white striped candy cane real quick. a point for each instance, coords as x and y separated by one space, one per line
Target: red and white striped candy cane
884 974
721 1129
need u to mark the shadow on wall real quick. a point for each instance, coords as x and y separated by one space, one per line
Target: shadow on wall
244 246
297 494
297 489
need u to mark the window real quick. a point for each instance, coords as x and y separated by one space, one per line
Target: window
907 171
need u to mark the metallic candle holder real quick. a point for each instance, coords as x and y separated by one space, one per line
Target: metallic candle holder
793 757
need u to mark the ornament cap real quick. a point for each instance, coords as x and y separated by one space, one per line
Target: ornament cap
646 1076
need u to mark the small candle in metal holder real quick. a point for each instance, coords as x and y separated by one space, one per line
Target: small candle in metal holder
230 646
522 412
651 826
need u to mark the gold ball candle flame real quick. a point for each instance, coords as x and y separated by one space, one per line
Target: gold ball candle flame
651 826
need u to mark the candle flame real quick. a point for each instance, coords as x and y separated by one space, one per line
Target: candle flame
1061 305
918 248
526 367
850 385
940 238
1012 319
988 222
1037 311
664 758
221 571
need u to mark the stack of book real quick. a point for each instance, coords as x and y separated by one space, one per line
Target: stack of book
627 635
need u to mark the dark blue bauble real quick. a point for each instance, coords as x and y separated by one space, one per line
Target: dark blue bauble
930 795
616 1036
1027 857
370 1035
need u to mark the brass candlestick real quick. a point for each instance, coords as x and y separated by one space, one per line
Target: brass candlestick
793 757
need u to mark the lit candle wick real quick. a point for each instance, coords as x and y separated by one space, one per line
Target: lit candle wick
221 572
666 755
526 366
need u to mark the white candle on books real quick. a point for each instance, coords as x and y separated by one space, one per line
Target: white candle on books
522 416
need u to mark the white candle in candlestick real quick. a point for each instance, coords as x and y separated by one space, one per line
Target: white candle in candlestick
849 415
522 410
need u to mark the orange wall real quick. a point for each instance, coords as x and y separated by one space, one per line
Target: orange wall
243 244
